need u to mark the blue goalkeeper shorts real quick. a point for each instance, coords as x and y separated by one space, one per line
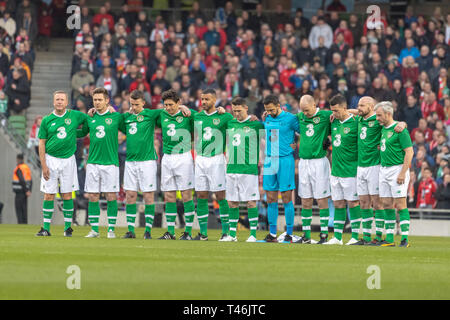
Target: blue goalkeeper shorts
279 173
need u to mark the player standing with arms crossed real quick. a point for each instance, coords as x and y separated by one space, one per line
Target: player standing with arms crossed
242 169
210 163
396 156
102 169
313 167
57 146
279 165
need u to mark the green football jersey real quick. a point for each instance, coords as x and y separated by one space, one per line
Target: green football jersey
243 146
392 145
140 131
61 133
103 135
313 132
210 133
176 132
369 133
344 139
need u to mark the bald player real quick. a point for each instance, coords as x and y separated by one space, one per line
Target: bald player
369 135
314 167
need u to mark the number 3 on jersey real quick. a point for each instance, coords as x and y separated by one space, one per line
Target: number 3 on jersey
310 131
100 132
61 132
383 145
236 140
171 132
363 133
337 140
133 128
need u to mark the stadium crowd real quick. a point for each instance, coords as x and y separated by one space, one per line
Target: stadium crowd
252 55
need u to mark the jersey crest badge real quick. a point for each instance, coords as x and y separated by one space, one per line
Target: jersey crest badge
68 122
216 121
346 130
389 134
246 129
316 120
371 123
179 119
108 120
140 118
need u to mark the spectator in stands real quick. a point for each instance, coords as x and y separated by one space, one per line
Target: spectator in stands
423 128
321 29
410 70
426 190
337 6
33 140
430 106
4 60
79 79
108 81
8 23
3 103
45 30
425 60
29 24
103 14
18 91
441 83
442 194
411 113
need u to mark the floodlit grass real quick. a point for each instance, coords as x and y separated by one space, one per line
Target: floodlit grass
35 268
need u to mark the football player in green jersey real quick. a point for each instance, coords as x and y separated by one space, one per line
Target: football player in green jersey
396 155
140 165
210 163
177 165
369 135
344 139
313 166
242 169
57 145
102 169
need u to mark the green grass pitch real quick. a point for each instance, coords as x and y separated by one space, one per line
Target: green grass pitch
35 268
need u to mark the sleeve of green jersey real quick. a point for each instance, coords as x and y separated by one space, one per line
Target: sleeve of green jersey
405 139
43 129
84 129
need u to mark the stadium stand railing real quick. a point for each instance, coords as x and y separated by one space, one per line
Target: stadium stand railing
16 135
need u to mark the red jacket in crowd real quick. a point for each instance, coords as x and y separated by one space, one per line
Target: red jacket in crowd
45 25
428 109
425 193
348 36
99 17
428 133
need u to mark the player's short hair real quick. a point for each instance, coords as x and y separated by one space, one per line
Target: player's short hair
238 101
102 91
271 99
338 99
386 106
60 92
137 94
209 91
170 95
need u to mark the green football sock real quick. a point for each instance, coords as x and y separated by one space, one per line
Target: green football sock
253 220
234 218
367 217
355 221
149 217
202 215
131 216
379 224
389 222
224 219
306 222
324 217
404 223
47 210
94 215
189 213
112 214
68 213
339 222
171 216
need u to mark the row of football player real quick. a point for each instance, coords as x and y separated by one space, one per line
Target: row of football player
371 156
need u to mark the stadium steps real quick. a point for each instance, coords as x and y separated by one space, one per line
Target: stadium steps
51 72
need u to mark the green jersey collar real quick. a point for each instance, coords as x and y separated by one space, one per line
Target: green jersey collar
349 117
244 120
393 123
